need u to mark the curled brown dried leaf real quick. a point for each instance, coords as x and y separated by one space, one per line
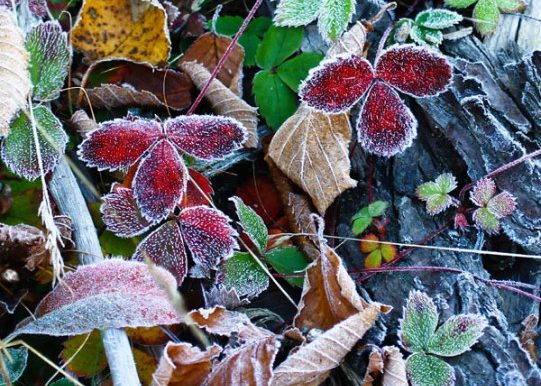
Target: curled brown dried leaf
394 367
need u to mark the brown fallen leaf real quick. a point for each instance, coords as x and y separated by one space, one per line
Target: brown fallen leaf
151 336
107 29
182 364
224 101
134 84
394 367
22 243
14 75
528 335
311 364
311 148
208 49
82 123
374 368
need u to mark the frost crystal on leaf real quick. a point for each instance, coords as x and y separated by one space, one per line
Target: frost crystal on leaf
386 125
419 322
457 335
427 370
491 208
243 274
437 18
253 225
436 193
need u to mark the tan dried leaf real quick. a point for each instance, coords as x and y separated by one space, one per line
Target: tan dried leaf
374 368
14 75
110 96
394 367
311 364
223 100
528 335
22 243
208 49
311 148
182 364
83 123
351 42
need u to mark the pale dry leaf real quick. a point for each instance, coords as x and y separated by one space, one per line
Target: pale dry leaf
351 42
182 364
374 367
224 101
208 49
14 75
394 367
311 364
22 243
83 123
528 335
311 148
110 96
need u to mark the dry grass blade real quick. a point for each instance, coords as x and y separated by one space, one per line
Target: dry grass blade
14 75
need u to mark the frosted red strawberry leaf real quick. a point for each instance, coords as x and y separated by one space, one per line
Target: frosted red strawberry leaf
492 207
109 294
206 137
121 215
119 143
483 191
165 247
208 235
337 84
160 181
386 125
198 192
502 205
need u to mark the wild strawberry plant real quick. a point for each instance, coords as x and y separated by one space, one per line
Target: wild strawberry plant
386 126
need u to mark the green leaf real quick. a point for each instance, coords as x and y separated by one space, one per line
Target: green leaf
459 3
275 100
15 368
363 213
377 208
49 58
245 275
287 261
486 220
27 197
427 370
113 245
457 335
19 150
360 224
373 260
363 218
278 44
421 35
511 5
295 13
435 193
334 18
419 322
487 14
62 382
253 225
437 18
401 31
85 355
295 70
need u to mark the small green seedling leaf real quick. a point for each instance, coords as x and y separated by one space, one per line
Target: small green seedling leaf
16 366
437 18
427 370
49 57
334 17
419 322
457 335
296 13
377 208
295 70
435 193
287 261
245 275
492 207
364 217
276 101
19 150
278 44
253 225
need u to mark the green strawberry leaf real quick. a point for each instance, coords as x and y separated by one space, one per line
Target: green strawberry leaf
334 17
421 36
377 208
487 16
435 193
278 44
486 220
16 366
295 70
460 4
245 275
287 261
401 31
85 356
253 225
437 18
360 224
457 335
427 370
296 13
419 322
511 5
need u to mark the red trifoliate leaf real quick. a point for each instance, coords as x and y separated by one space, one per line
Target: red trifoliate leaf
160 181
109 294
118 143
198 192
386 125
208 235
337 84
165 247
417 71
483 191
121 215
502 205
206 137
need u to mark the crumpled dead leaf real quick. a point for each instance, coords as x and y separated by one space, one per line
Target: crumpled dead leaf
83 123
224 101
21 242
394 367
311 364
134 84
14 75
182 364
528 335
107 29
374 368
208 49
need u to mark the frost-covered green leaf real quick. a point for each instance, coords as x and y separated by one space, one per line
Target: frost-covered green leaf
457 335
253 225
364 217
421 35
244 274
486 220
502 205
19 150
16 366
511 5
492 207
427 370
295 70
278 44
483 191
419 322
276 101
287 261
377 208
296 13
49 57
459 3
401 31
334 17
437 18
487 16
436 193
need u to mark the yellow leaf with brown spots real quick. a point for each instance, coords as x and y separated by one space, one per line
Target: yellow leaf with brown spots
107 29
